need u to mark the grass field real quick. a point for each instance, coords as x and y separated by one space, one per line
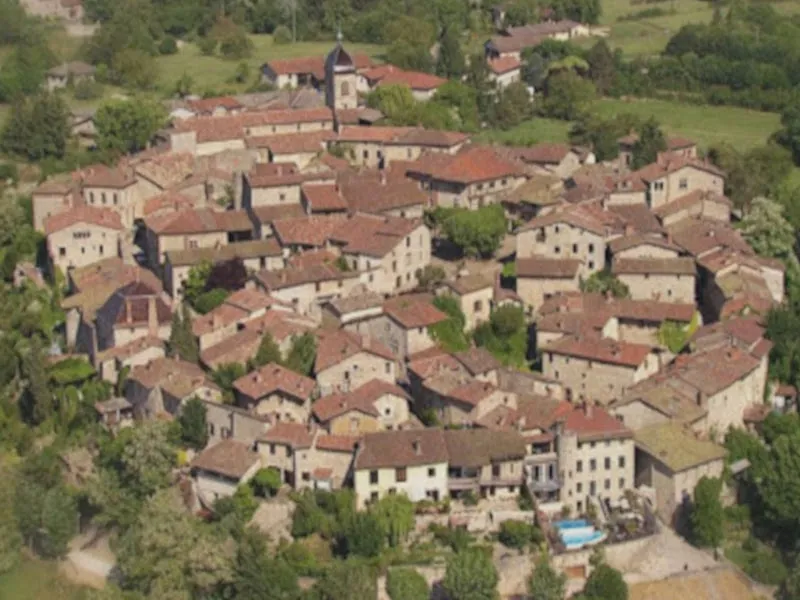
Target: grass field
37 580
530 132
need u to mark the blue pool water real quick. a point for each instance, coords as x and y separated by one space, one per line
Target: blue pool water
583 540
571 524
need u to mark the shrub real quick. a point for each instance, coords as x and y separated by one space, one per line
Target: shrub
766 568
282 35
266 482
518 534
406 584
457 538
87 89
168 46
207 45
470 499
9 171
208 301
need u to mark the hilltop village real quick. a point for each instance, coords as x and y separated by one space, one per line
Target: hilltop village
296 246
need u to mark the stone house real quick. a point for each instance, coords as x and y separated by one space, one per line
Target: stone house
82 236
540 278
277 184
303 71
192 229
475 296
70 72
308 289
461 401
595 456
639 246
505 71
403 326
353 313
384 192
422 85
291 148
512 41
161 387
53 197
413 462
379 146
256 255
683 147
346 361
220 469
673 176
276 391
133 311
68 10
698 204
560 160
114 188
374 406
480 364
598 368
109 363
671 460
660 279
226 421
474 177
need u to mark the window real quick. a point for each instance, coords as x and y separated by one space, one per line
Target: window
592 488
579 466
607 463
388 368
192 243
491 185
288 452
344 89
495 470
556 229
373 477
373 497
432 472
366 154
593 465
557 250
607 484
574 248
282 197
211 429
306 476
103 196
400 474
100 249
505 181
91 197
579 488
591 248
408 153
408 242
621 483
62 251
271 448
591 264
477 306
480 186
683 183
621 462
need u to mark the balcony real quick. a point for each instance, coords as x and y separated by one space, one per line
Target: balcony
458 484
544 486
543 457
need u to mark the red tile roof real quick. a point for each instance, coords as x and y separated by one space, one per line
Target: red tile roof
88 215
504 64
275 378
295 435
103 176
413 311
473 164
543 153
654 266
293 143
228 458
209 105
337 443
306 231
593 422
411 448
335 346
369 194
548 268
373 235
203 220
312 65
323 197
283 174
402 136
361 399
603 350
315 273
472 392
231 127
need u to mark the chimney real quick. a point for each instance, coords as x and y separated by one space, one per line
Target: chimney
588 408
152 316
417 446
127 310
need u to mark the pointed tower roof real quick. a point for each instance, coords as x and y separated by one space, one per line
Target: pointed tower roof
339 60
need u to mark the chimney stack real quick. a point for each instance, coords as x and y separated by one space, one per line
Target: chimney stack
588 408
417 446
152 316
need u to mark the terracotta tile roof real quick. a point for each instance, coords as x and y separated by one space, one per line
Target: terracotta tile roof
603 350
639 217
295 435
132 305
362 399
251 300
472 448
178 378
689 200
281 324
412 311
747 330
335 346
543 153
426 367
467 284
635 240
477 360
108 177
266 215
238 348
231 127
95 283
169 201
540 412
202 220
287 278
416 80
584 217
166 170
473 164
131 348
548 268
472 392
373 235
60 186
308 258
594 422
654 266
243 250
312 65
209 105
671 163
282 175
293 143
364 193
323 197
402 136
390 449
648 310
700 236
504 64
219 318
88 215
337 443
499 418
228 458
275 378
312 231
715 370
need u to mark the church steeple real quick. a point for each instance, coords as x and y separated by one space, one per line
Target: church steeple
340 77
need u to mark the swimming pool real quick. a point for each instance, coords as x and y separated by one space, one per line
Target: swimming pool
577 533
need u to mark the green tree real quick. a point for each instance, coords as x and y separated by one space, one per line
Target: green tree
134 69
707 515
651 141
345 580
449 333
603 282
759 171
232 38
779 483
208 301
10 537
302 354
363 536
476 232
568 96
471 575
148 458
268 352
127 126
545 583
37 400
601 66
182 343
605 583
166 554
789 135
406 584
462 101
37 127
395 514
451 63
59 522
430 277
194 428
513 106
477 79
225 375
519 534
267 482
196 281
768 232
259 576
396 102
410 40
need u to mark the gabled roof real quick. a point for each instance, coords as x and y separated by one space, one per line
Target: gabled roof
88 215
177 377
676 447
654 266
391 449
548 268
472 392
415 80
335 346
699 236
472 448
228 458
134 304
287 278
373 235
636 240
243 250
473 164
469 283
593 423
102 176
202 220
293 143
323 197
275 378
625 354
505 64
412 311
402 136
361 399
689 200
477 360
306 231
295 435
